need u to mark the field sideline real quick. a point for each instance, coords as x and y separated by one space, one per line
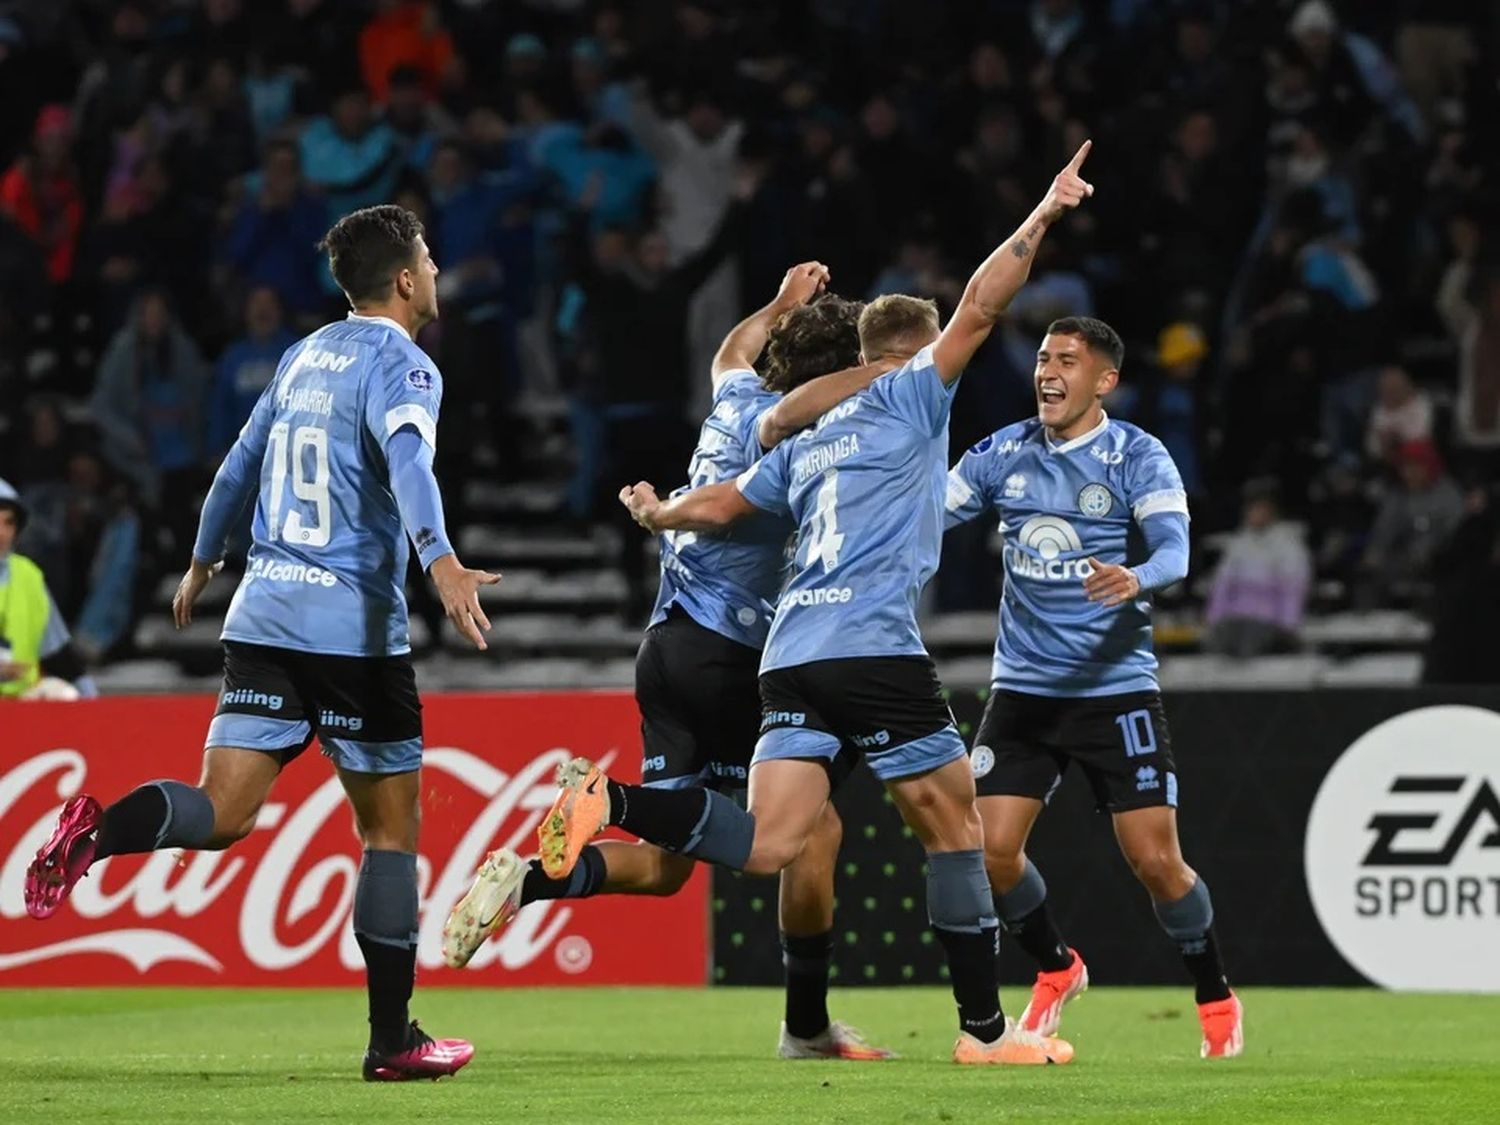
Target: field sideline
654 1055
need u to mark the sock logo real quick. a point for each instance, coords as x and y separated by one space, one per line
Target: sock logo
1403 850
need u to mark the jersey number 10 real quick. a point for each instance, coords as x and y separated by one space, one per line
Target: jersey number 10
285 450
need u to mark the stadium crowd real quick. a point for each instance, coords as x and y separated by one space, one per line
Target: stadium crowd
1294 232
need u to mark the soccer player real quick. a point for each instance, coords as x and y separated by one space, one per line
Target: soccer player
338 452
845 673
1094 517
696 671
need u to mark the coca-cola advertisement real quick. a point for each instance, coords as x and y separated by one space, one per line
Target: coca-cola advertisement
275 908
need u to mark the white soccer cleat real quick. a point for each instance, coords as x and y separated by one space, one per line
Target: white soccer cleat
837 1041
490 903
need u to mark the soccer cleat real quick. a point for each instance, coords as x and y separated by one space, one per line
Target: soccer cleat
490 903
580 813
1017 1047
422 1057
837 1041
1223 1028
64 858
1051 991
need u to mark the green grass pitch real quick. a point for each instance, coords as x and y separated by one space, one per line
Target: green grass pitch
661 1055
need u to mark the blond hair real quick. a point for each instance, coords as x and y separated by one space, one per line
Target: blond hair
897 324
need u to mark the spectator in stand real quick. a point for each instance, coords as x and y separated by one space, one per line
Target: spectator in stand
245 369
1468 301
602 101
103 544
1414 521
148 404
274 237
696 155
1402 415
1170 406
1465 611
352 158
37 657
42 195
404 34
1259 595
418 122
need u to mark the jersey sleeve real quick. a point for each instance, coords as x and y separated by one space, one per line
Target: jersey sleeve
916 393
767 483
969 488
1152 482
739 394
406 392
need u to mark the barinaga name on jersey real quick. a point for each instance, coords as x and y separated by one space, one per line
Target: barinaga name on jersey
1059 505
865 486
727 581
327 565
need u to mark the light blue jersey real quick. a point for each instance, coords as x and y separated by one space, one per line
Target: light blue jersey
727 582
865 486
1059 505
326 571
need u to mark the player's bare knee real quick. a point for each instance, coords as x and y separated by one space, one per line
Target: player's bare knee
1004 863
771 854
1162 872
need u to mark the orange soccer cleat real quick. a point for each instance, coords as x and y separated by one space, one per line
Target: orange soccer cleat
1017 1047
580 813
1043 1014
1223 1028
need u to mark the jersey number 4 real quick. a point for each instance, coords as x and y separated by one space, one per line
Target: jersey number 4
286 449
823 539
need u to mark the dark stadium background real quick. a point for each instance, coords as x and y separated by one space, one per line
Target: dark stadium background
1294 231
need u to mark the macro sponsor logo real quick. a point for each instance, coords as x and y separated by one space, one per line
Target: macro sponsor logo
269 570
332 720
1035 550
1402 851
832 595
249 697
783 719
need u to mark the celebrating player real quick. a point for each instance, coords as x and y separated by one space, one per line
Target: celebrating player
845 673
697 666
1094 517
338 452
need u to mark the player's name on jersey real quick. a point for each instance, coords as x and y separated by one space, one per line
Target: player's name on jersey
312 400
824 456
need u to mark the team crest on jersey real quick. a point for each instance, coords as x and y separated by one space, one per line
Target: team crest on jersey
981 761
1095 500
419 380
1015 486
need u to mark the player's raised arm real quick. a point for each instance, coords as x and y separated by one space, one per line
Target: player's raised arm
709 508
1003 273
804 405
747 339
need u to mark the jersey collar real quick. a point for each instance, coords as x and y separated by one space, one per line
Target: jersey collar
1078 442
385 320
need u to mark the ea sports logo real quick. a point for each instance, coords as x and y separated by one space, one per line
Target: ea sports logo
1049 536
1402 853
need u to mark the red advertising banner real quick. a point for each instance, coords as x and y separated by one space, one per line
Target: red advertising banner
275 909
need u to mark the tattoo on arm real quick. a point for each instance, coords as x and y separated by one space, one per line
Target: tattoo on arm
1019 248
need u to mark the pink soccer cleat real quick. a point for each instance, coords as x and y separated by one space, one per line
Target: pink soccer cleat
64 859
423 1057
1223 1028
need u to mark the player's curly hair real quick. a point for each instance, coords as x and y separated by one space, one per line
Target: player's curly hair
368 247
811 340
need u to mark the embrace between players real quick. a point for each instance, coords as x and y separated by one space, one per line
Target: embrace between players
746 674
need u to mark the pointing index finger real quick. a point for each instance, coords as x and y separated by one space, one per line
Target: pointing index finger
1079 157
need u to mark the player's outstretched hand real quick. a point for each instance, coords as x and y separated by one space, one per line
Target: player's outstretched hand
193 583
458 590
801 284
641 500
1110 584
1069 188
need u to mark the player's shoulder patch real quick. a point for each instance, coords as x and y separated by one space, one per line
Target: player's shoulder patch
1004 441
420 379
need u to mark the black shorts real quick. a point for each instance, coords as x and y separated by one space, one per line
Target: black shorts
1121 742
887 709
700 705
364 709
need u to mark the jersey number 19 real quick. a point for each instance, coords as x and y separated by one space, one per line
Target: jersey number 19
285 450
